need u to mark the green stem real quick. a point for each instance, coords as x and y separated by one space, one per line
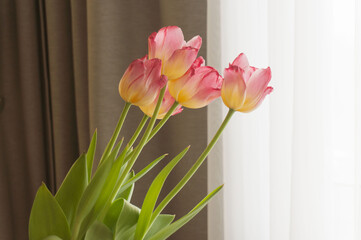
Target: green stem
143 141
112 141
138 130
194 168
163 121
159 125
125 157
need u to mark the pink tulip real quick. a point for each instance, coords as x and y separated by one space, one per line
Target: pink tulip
197 87
142 81
244 87
167 102
177 55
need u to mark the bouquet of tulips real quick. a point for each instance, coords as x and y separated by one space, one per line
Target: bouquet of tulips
98 206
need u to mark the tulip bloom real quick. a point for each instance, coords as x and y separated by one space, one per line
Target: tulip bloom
198 87
177 55
167 103
244 87
142 81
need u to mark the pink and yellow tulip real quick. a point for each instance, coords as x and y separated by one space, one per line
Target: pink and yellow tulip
197 87
244 87
176 54
142 81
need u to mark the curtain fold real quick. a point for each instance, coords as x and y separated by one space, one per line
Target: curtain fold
60 65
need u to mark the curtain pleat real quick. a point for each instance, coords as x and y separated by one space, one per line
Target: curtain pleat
80 68
60 65
61 78
23 146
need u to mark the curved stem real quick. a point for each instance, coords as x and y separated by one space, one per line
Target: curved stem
113 139
194 168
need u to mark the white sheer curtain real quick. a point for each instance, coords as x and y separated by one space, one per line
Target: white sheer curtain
292 168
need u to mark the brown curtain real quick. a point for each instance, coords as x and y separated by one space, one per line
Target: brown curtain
60 63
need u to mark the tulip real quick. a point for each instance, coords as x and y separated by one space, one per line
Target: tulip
166 104
197 87
244 87
177 55
142 81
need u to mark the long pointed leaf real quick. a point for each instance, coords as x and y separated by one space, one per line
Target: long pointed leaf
169 230
46 217
140 174
91 193
72 188
90 155
98 231
113 213
152 196
160 222
105 191
127 194
127 221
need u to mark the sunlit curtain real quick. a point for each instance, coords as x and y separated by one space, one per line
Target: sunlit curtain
292 168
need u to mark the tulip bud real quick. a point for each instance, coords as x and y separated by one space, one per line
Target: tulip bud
167 103
177 55
244 87
198 87
142 81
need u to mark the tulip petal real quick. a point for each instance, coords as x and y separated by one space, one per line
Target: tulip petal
133 73
179 62
195 42
208 89
163 43
199 62
178 110
248 71
152 47
250 107
167 103
184 88
233 87
152 71
256 85
241 61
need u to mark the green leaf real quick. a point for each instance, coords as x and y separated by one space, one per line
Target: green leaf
105 190
152 196
90 154
113 213
98 231
140 174
160 222
91 194
52 237
72 188
169 230
128 234
127 221
46 217
127 194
